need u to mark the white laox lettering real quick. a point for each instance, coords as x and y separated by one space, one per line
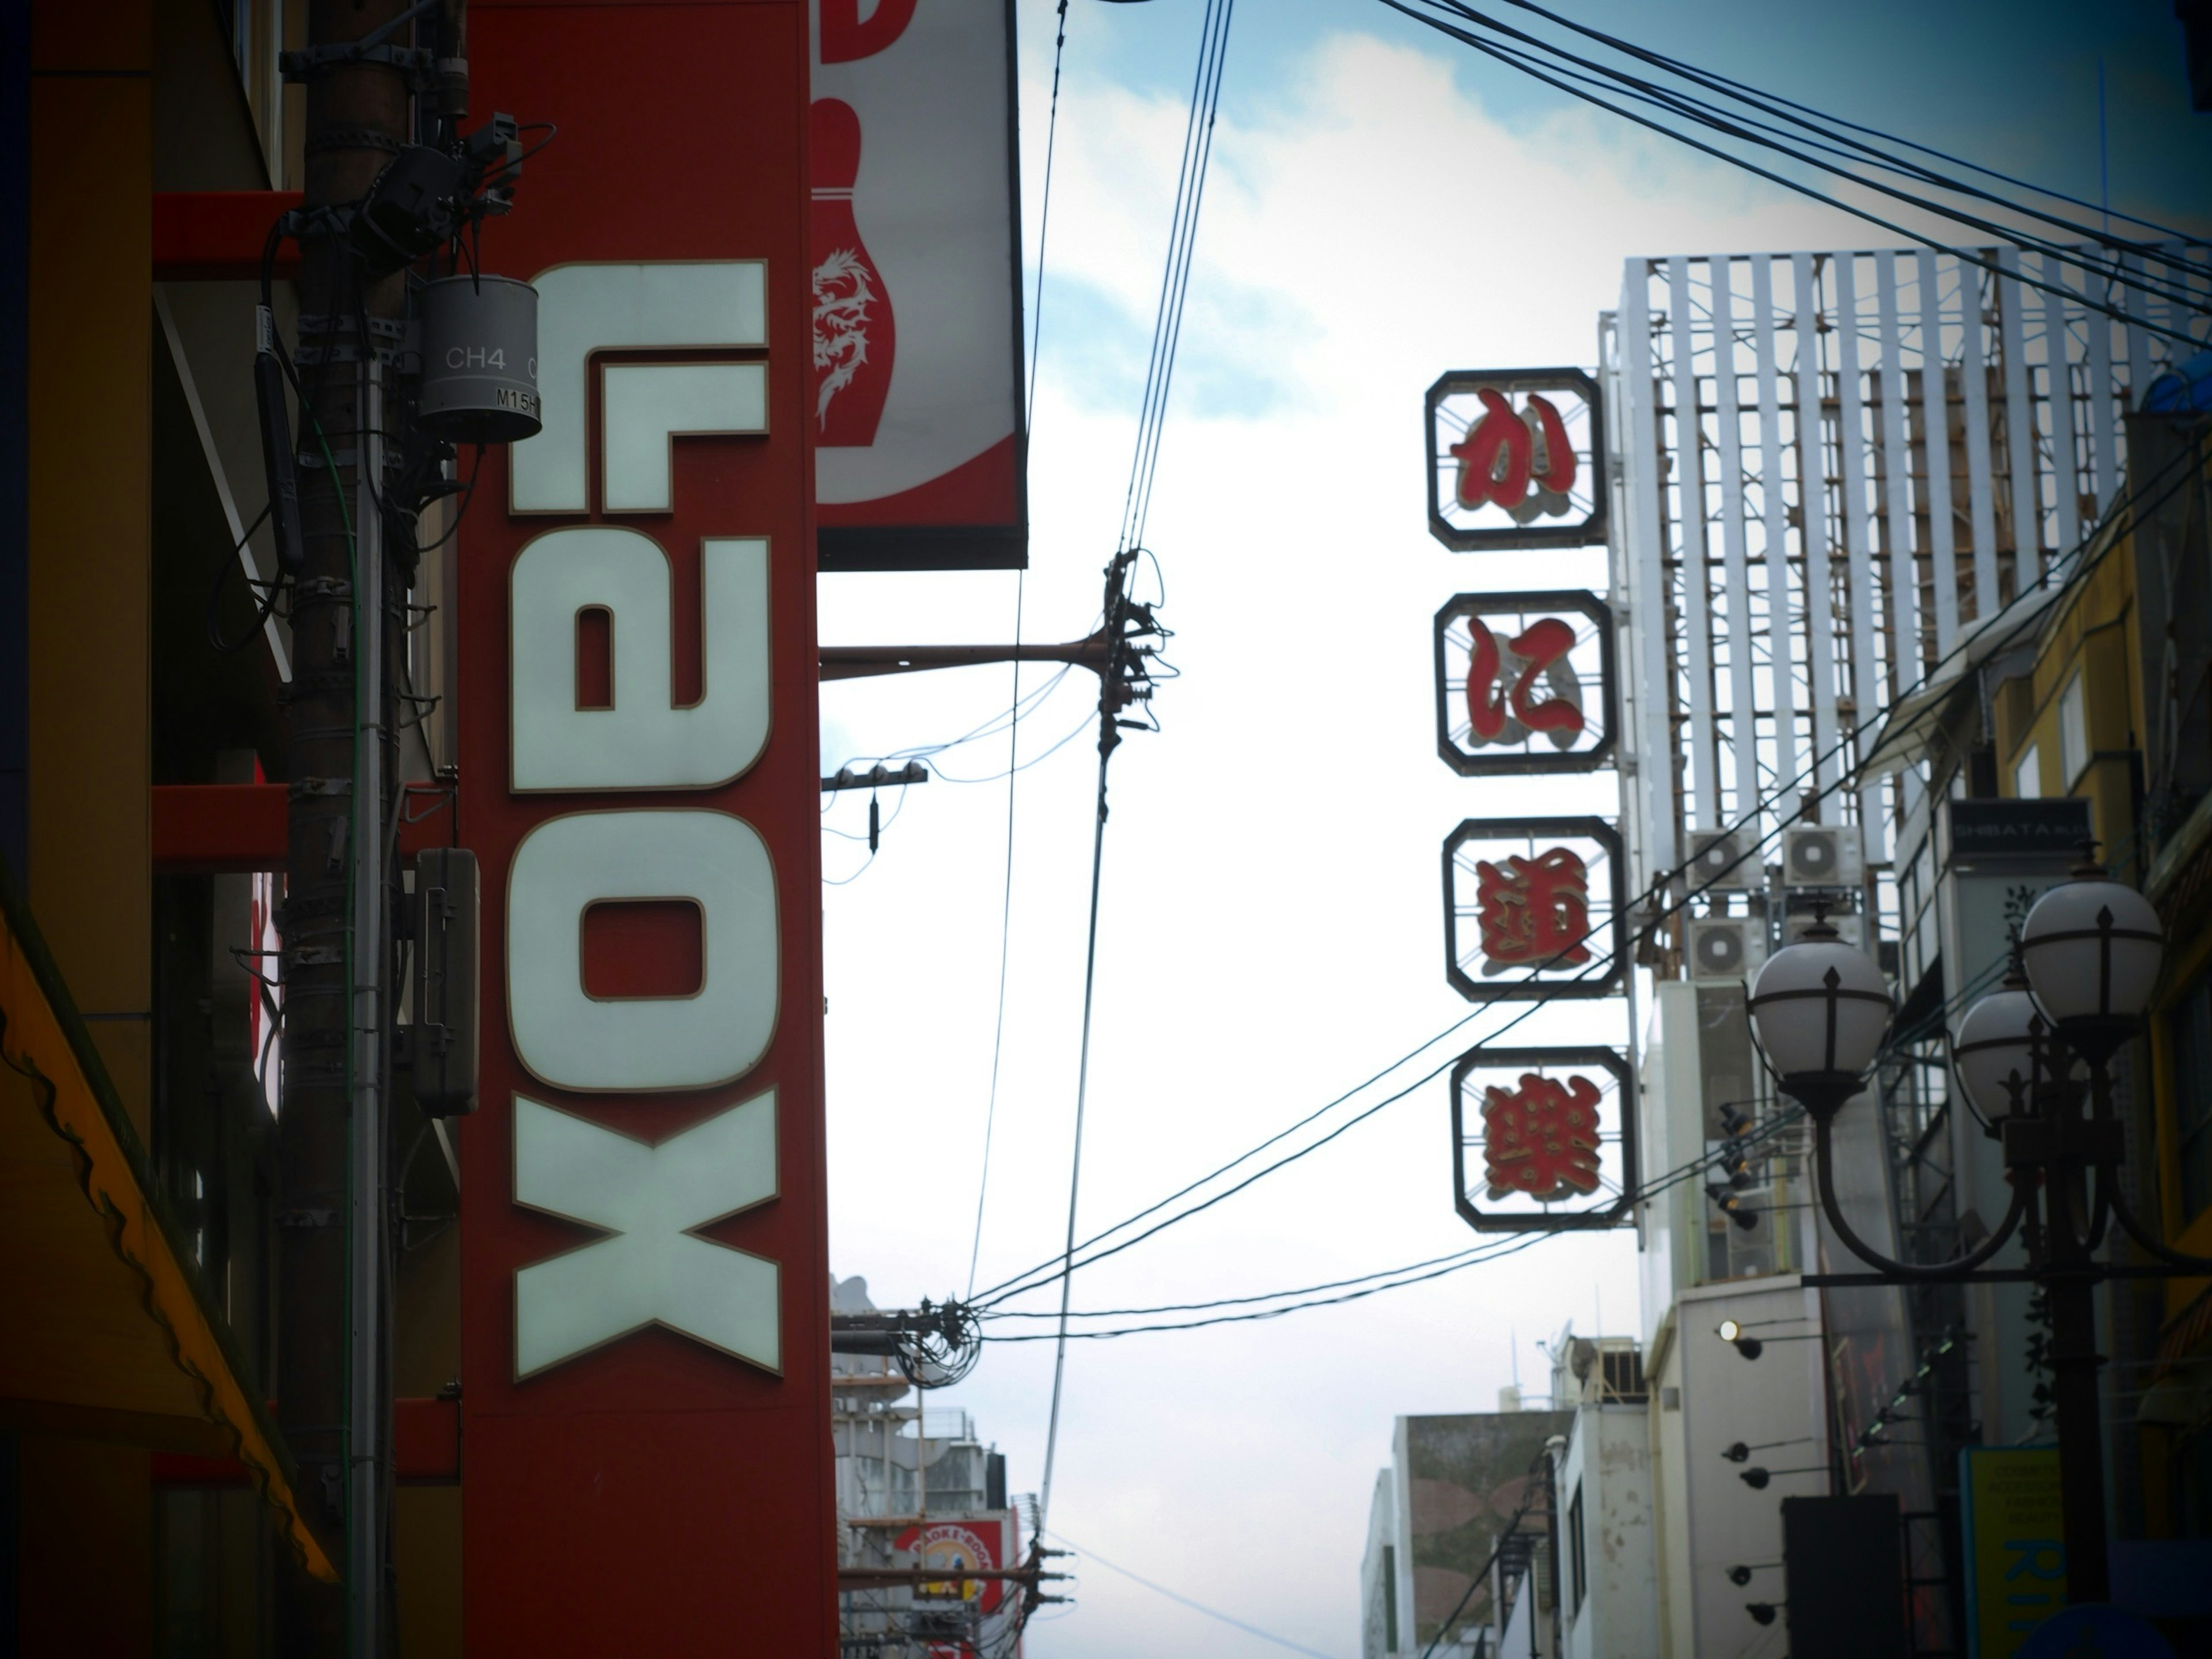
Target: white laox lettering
644 741
654 1270
652 1200
572 1040
714 304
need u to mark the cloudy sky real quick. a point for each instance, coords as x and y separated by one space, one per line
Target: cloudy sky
1382 206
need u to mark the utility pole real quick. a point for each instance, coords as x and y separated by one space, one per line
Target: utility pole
332 1260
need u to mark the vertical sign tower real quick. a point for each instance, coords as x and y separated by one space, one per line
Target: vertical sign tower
644 1249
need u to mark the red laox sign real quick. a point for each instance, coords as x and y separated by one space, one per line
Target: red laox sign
644 1257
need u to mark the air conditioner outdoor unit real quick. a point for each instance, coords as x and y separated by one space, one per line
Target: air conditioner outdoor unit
1822 855
1726 947
1725 860
1852 930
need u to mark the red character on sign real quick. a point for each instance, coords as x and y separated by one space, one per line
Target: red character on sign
1534 912
1541 1138
1503 452
1501 701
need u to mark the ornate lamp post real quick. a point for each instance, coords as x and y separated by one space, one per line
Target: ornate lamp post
2088 962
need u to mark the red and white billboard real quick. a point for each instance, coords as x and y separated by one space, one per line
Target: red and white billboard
915 309
645 1318
970 1543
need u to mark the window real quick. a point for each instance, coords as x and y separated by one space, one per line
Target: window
1576 1582
2073 732
2191 1031
2027 776
1389 1598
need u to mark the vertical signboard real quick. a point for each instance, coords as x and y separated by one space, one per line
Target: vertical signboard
915 311
644 1253
2012 1519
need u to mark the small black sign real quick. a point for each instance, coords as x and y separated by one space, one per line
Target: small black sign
2041 830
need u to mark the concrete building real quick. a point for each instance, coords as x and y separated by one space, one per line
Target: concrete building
1378 1572
1459 1545
1602 1496
1838 480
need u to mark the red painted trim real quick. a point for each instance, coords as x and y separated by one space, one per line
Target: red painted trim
425 1450
984 490
426 1440
231 828
190 1469
216 235
213 829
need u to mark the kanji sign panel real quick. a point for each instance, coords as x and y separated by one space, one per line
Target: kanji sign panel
1524 683
915 388
1543 1139
1533 908
1516 458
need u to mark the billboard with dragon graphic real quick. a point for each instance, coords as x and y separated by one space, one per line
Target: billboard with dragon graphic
916 316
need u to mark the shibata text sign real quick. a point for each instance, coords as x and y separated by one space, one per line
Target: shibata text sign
644 1257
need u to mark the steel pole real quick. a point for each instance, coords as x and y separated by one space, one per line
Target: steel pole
2075 1361
2074 1364
357 115
366 1413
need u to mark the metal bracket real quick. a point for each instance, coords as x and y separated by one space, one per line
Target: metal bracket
877 777
312 62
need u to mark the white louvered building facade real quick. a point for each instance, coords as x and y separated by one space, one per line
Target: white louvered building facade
1780 619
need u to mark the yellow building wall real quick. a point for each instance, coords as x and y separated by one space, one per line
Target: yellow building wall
90 879
86 1565
2096 636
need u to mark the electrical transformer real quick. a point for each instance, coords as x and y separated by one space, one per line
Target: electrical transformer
479 360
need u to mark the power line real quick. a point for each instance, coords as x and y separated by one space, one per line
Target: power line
1398 1277
1036 1278
1119 610
1840 144
1195 1606
1174 279
1021 585
1719 81
1704 115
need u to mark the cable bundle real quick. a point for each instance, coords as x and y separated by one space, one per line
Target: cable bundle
1683 98
1174 280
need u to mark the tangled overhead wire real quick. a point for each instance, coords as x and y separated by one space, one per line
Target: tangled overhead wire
934 1346
941 1345
1678 99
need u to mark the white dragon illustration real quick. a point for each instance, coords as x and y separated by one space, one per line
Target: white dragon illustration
842 295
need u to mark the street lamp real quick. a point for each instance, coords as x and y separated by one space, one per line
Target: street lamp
2092 948
1822 1009
1994 1052
1732 1332
2086 965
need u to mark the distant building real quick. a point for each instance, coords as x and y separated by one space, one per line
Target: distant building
1603 1498
916 1489
1459 1537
